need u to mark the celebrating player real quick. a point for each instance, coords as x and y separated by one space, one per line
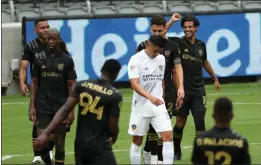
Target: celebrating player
98 116
194 57
153 147
146 73
221 145
34 50
52 81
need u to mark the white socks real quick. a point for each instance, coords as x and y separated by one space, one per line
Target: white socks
168 152
135 154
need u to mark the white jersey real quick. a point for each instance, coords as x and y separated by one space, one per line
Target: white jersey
150 72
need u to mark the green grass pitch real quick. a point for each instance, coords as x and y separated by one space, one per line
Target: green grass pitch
16 128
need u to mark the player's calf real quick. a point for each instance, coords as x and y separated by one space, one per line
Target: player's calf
177 136
59 149
135 150
168 148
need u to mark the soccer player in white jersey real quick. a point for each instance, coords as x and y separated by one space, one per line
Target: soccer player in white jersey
146 73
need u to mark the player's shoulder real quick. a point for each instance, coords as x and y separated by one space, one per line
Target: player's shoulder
160 57
200 42
33 44
174 39
239 136
137 55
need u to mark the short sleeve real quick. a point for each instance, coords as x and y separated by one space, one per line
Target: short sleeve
176 54
141 46
27 54
245 153
64 47
71 73
205 53
76 90
116 106
133 68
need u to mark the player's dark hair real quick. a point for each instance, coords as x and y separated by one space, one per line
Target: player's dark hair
158 20
39 20
111 68
190 18
223 109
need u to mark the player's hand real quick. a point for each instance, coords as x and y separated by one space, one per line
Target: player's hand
217 86
23 89
179 103
181 93
40 141
32 114
156 101
176 17
70 119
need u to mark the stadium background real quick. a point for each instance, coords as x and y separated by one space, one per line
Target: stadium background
233 39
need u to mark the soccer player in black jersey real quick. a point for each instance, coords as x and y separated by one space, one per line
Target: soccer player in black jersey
34 49
98 116
52 82
193 58
221 145
152 151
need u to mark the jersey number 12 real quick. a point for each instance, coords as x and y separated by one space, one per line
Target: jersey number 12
90 105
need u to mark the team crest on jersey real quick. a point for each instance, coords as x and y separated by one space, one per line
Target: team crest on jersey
200 52
132 67
167 53
133 127
161 68
60 66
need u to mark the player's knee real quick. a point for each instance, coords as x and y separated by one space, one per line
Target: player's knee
181 121
200 124
137 140
166 136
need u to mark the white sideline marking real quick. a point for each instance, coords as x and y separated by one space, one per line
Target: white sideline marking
70 153
128 100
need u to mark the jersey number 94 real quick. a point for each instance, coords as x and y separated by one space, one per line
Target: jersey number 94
90 105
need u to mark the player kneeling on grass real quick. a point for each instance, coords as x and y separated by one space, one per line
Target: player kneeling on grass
221 145
98 117
52 81
146 74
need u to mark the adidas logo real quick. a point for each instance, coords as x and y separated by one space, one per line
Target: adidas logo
186 50
43 67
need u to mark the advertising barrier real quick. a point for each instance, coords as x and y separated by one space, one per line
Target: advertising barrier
233 42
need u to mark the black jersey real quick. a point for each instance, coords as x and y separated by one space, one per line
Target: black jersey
192 56
35 46
53 75
172 55
98 101
220 146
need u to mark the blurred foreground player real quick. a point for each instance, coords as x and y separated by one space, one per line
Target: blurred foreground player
98 116
221 145
146 73
193 59
52 81
34 49
171 51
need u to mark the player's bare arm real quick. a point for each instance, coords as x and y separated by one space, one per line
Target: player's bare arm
179 75
34 88
174 18
70 117
58 118
207 66
22 76
135 85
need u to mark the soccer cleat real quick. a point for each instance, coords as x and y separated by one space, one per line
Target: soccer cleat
160 162
37 160
154 159
51 157
177 156
146 157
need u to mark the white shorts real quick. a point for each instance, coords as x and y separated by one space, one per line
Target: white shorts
139 125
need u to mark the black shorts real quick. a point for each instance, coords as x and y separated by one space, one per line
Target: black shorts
170 100
194 103
85 157
43 120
